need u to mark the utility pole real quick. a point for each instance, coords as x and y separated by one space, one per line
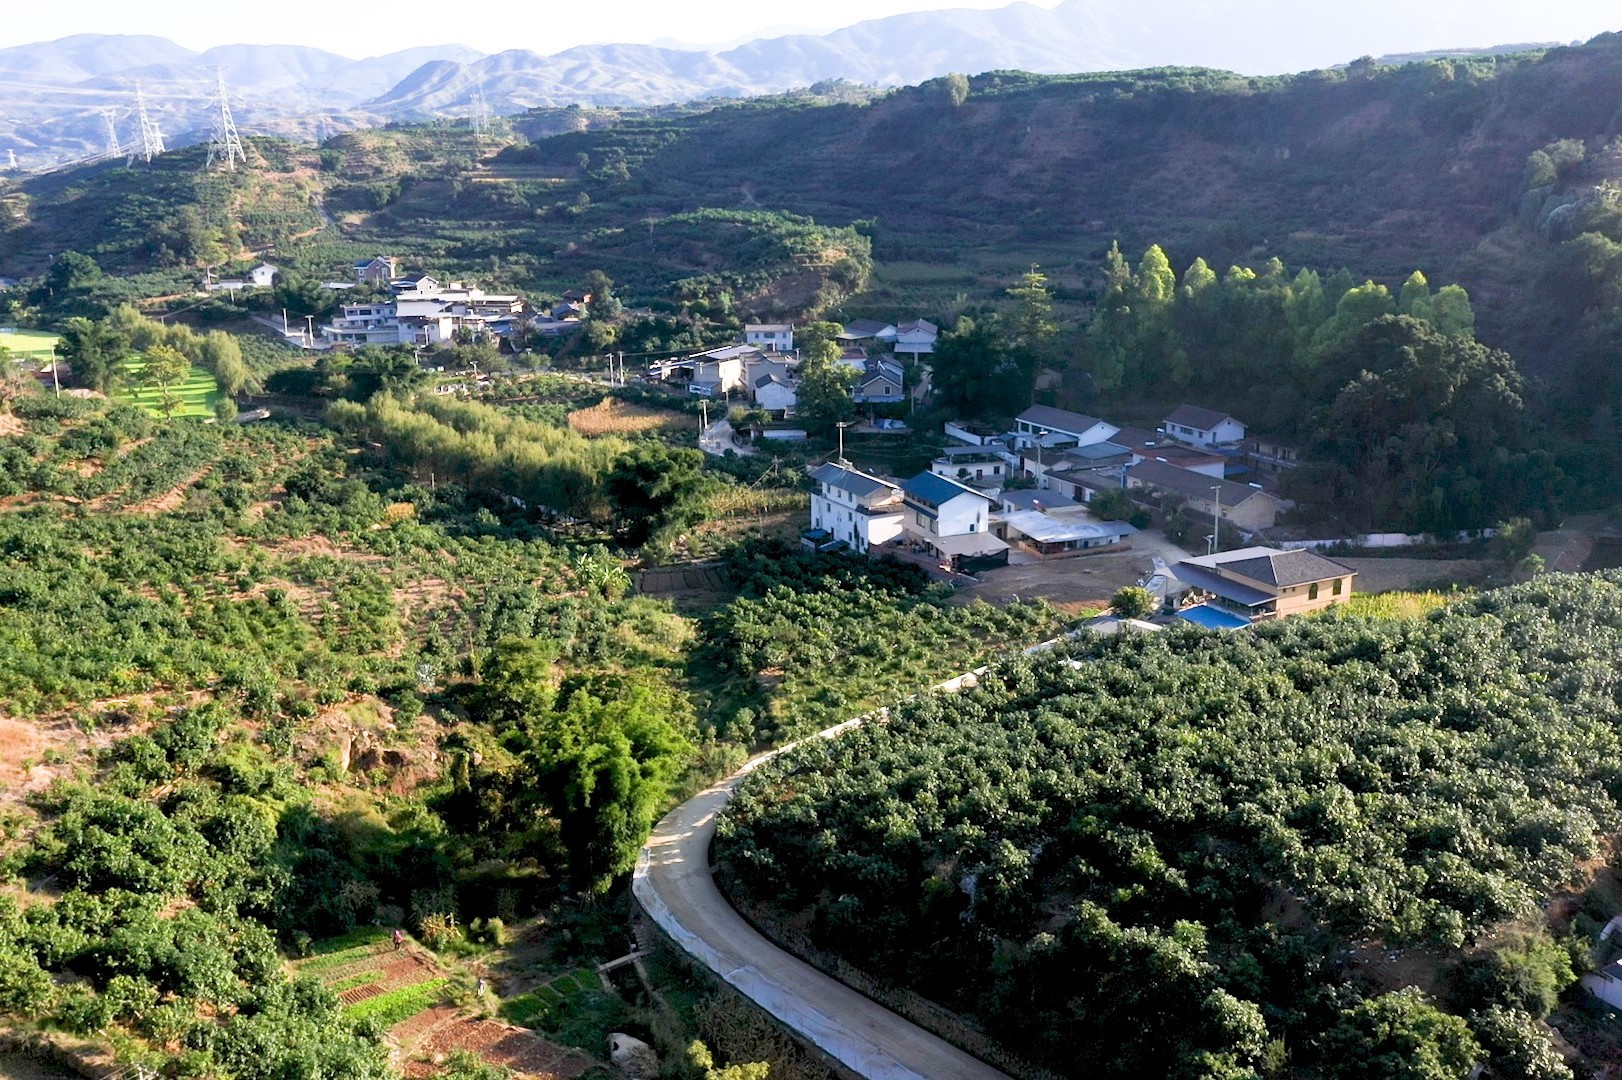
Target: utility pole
703 417
1041 434
225 143
284 322
309 331
842 425
1216 521
56 380
151 137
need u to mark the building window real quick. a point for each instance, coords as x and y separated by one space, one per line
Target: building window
1312 591
1337 586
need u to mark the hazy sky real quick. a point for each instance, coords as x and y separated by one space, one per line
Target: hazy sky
367 29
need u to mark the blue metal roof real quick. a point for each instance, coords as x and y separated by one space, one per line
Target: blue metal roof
938 490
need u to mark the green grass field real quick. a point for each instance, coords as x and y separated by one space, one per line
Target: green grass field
27 342
197 396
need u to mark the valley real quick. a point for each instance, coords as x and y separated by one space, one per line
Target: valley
401 524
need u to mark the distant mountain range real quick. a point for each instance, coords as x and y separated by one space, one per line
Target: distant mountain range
53 94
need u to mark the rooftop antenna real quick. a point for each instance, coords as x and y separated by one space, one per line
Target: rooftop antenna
225 144
151 137
109 119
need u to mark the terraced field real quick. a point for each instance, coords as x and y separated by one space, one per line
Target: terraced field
408 991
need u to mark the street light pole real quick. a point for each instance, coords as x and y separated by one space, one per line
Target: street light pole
1041 433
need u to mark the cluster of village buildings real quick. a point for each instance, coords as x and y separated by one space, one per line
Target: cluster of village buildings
763 369
962 512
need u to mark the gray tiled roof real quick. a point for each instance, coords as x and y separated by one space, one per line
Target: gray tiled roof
1195 485
857 483
1197 418
1062 419
1284 568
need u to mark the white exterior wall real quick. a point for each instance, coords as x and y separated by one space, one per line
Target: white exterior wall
775 340
958 515
1099 432
977 470
774 398
1229 431
837 511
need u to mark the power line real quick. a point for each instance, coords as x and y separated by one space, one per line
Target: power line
151 137
225 144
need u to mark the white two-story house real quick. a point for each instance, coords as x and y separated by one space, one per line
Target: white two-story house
1203 427
1050 427
950 519
770 337
848 504
915 338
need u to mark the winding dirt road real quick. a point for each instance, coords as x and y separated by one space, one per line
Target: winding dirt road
674 885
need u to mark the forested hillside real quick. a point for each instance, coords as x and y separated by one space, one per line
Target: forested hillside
962 185
1323 848
264 686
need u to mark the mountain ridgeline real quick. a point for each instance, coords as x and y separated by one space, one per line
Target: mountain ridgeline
1494 171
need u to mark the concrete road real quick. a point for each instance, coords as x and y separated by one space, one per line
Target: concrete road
674 885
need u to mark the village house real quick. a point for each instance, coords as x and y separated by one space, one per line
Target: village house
881 383
1258 583
915 338
1271 455
263 276
855 358
1054 428
851 507
1203 427
867 330
378 270
977 466
1050 525
770 337
425 316
1246 507
952 521
774 393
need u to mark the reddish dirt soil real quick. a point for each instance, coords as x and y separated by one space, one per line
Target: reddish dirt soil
503 1044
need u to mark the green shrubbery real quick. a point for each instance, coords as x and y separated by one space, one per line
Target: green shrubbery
1068 850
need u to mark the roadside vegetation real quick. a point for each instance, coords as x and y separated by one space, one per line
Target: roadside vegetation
1234 824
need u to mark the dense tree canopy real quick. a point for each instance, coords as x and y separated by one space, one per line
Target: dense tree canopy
1155 853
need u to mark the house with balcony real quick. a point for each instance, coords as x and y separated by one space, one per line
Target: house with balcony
852 508
976 466
770 337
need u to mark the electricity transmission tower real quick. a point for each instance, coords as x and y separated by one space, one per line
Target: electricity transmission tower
151 137
110 119
225 144
481 109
